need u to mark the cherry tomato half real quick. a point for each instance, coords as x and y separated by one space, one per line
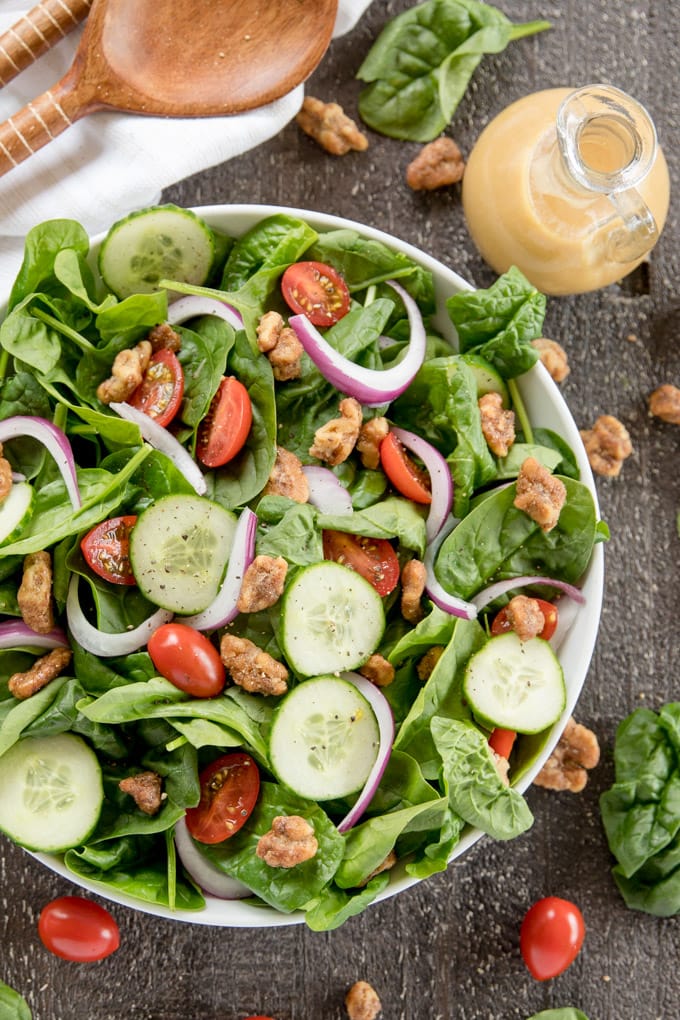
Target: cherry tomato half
187 659
161 390
501 625
317 291
551 937
107 549
229 790
373 558
78 929
225 428
404 474
501 741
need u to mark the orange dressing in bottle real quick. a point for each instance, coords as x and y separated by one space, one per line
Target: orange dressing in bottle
569 186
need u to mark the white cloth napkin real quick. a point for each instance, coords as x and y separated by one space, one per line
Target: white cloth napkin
107 164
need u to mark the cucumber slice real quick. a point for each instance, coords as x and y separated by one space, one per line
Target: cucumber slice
331 619
15 511
517 685
51 792
179 550
324 739
487 377
161 242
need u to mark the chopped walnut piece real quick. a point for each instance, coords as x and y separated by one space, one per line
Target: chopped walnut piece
498 425
378 670
438 164
35 592
362 1002
334 441
413 577
164 338
281 345
539 494
126 373
41 673
290 841
370 437
566 769
287 477
5 476
553 356
607 445
262 584
328 125
429 661
386 865
525 617
252 668
664 403
145 788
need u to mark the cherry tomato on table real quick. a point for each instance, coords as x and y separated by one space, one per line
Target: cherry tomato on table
500 624
229 789
106 549
551 937
224 430
161 390
317 291
187 659
78 929
404 474
373 558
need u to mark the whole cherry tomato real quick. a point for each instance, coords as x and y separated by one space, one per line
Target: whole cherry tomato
500 624
373 558
106 549
551 937
317 291
404 474
187 659
160 392
224 430
229 790
77 929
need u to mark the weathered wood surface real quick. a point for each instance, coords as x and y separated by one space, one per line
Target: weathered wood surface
448 948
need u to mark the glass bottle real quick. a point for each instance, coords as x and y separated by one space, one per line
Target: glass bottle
570 186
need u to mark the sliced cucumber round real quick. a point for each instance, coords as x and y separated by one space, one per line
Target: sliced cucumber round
332 619
488 379
179 550
516 685
15 511
324 739
161 242
51 792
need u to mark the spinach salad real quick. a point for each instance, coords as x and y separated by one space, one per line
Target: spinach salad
368 773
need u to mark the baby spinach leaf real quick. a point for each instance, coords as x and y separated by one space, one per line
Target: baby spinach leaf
391 518
273 242
563 1013
335 906
12 1005
43 244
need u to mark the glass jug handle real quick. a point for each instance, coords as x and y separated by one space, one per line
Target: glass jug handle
638 234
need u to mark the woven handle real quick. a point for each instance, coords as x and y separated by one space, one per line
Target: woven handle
38 30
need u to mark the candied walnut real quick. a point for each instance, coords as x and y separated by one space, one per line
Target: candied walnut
539 494
438 164
370 437
41 673
607 445
412 587
335 440
328 125
287 477
567 767
146 790
429 661
362 1002
386 865
525 617
378 670
290 841
262 584
252 668
35 593
498 425
5 476
164 338
286 357
553 356
664 403
126 373
269 330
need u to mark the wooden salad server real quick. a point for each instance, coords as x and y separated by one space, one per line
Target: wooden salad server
176 58
35 32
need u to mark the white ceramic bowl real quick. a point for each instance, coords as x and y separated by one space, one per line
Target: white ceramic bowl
546 408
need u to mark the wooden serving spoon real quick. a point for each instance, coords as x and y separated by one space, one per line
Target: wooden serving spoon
37 30
176 58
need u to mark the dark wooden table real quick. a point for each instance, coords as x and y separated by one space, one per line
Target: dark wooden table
448 948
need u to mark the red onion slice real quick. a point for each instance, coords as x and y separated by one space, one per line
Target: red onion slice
440 479
101 643
159 437
369 386
55 442
207 876
494 591
326 491
223 609
383 714
192 305
15 634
